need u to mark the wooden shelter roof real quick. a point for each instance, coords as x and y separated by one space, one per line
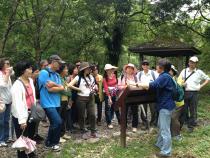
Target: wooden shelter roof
165 48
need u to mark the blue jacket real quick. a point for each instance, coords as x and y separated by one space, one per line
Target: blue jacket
163 86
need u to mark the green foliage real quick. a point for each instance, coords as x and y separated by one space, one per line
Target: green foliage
98 31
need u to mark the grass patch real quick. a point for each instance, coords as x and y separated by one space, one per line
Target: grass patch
196 144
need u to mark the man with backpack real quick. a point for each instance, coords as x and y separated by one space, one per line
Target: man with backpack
50 86
147 75
164 87
192 77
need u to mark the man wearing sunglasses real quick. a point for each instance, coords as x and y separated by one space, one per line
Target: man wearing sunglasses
147 76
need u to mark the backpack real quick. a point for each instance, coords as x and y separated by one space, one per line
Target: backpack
121 78
152 73
178 91
37 87
74 92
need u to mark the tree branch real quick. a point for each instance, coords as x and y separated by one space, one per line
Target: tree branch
9 25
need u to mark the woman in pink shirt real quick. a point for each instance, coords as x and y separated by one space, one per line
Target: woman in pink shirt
110 88
129 77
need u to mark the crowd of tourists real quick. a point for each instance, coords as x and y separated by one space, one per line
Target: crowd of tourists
73 97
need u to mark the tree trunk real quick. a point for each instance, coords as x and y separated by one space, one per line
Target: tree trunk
114 45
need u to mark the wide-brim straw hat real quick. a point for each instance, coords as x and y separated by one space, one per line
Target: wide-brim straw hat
130 65
109 67
84 65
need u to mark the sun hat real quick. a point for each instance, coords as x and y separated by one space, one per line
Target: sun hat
84 65
194 59
109 66
130 65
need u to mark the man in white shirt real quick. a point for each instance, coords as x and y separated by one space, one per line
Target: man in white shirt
147 76
193 79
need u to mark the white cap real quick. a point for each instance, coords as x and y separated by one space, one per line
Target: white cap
109 66
173 67
194 59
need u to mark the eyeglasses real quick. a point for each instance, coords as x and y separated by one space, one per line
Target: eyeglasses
145 64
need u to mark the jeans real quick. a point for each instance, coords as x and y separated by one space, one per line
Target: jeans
135 115
54 131
4 124
110 110
28 132
164 136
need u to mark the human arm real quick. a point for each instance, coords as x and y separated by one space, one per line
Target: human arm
73 83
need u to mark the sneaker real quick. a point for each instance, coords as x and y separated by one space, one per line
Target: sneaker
178 138
161 155
56 148
62 140
67 137
134 130
110 126
3 144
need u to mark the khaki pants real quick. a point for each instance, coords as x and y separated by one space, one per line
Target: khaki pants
86 104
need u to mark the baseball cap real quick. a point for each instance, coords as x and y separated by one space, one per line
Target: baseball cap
194 59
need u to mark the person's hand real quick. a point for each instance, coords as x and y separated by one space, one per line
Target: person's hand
23 126
50 84
8 71
80 91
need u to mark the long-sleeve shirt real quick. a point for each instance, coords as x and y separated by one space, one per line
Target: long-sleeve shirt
109 84
19 105
163 86
5 88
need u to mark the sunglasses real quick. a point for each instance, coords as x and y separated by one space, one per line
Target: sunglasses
145 64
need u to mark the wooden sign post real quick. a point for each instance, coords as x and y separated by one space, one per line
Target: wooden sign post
132 96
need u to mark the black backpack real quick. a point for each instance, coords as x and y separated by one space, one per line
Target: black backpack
74 92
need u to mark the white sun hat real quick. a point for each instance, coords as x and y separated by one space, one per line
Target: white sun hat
109 66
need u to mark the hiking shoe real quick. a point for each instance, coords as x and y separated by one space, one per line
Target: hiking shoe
62 140
110 126
134 130
178 138
161 155
3 144
67 137
56 148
